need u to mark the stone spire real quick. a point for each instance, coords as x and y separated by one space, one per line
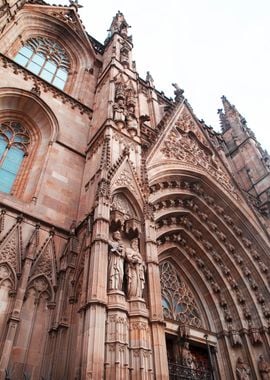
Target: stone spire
118 25
230 118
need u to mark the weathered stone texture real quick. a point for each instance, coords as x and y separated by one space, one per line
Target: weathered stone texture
134 243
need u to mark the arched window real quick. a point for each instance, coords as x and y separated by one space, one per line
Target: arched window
45 58
14 141
178 301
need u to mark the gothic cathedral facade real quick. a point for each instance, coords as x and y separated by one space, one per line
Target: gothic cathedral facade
134 239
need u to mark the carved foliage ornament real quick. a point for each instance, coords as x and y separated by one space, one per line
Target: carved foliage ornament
177 300
187 148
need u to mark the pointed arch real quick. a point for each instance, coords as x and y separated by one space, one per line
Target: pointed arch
42 127
42 288
220 247
34 21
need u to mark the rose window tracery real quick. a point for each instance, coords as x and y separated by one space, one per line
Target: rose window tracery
177 300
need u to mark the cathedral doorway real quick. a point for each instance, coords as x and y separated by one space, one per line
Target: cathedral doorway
188 359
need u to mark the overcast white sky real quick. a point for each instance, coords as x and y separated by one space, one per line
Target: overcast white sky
209 47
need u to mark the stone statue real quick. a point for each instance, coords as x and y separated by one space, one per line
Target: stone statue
187 357
149 79
131 120
264 368
242 370
135 270
116 262
119 111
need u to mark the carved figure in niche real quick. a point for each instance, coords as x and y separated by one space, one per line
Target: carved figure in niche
116 262
119 106
242 370
135 270
187 357
132 123
264 368
119 111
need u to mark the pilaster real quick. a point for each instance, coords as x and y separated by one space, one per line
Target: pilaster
95 307
156 312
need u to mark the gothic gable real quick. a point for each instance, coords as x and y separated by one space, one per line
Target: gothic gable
183 142
43 272
11 247
125 177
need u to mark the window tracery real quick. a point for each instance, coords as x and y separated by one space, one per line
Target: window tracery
14 142
46 58
177 300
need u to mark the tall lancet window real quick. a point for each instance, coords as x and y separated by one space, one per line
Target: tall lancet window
46 58
14 141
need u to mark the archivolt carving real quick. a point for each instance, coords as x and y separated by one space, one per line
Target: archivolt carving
218 262
177 299
186 148
191 204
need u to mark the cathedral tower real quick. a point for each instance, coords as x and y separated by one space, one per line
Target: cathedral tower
134 239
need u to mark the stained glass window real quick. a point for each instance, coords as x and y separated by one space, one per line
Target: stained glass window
14 140
46 58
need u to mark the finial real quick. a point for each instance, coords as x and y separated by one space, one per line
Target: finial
75 3
118 25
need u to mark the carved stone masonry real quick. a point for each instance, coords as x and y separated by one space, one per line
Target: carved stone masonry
187 149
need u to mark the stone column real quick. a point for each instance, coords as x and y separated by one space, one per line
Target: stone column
95 307
156 312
